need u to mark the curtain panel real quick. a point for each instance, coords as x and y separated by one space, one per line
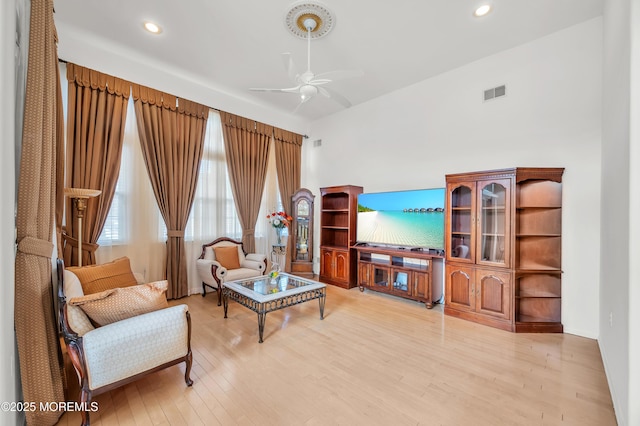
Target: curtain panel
36 333
172 134
288 147
247 145
95 130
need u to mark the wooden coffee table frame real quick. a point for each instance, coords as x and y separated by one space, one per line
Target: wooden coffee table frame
275 301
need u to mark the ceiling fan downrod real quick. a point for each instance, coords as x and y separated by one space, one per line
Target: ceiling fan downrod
310 25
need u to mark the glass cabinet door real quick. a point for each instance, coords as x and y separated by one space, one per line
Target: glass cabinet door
301 233
302 215
462 232
493 222
401 280
381 277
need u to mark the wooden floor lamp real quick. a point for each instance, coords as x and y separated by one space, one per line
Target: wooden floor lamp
80 197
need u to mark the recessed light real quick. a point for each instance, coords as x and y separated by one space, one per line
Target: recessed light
482 10
152 28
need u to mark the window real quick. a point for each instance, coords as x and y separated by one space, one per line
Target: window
115 226
213 213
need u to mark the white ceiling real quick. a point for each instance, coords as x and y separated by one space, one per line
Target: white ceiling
236 44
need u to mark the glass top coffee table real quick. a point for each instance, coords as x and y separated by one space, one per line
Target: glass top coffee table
265 294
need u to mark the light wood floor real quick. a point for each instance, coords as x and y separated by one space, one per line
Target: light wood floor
373 360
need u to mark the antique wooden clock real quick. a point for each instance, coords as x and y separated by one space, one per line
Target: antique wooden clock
302 232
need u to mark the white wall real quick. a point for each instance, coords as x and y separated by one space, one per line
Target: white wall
8 381
634 226
551 117
102 55
620 273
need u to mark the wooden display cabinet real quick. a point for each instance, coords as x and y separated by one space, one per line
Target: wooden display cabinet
503 248
415 275
338 216
302 232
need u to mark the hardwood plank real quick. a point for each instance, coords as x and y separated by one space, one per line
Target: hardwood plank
374 359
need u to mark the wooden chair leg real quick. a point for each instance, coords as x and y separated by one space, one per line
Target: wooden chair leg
219 294
204 290
187 370
85 402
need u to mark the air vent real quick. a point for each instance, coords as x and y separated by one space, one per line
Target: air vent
495 92
317 143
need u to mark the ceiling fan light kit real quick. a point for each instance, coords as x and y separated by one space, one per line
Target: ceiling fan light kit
308 91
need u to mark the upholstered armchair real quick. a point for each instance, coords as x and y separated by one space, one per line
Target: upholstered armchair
110 355
225 260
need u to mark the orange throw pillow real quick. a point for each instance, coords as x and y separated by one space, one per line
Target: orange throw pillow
117 304
227 256
97 278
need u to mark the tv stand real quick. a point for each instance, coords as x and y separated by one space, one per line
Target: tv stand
415 275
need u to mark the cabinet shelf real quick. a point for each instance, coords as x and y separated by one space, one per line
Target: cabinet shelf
538 207
400 265
530 319
334 246
537 235
374 262
335 211
538 270
538 297
530 267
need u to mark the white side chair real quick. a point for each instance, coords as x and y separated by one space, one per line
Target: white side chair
213 273
112 355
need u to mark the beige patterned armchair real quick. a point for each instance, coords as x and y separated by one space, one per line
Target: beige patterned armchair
225 260
111 355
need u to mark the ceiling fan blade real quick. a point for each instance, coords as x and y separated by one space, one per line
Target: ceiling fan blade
287 90
340 75
290 66
331 94
318 81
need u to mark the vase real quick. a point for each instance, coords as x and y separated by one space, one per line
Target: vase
279 236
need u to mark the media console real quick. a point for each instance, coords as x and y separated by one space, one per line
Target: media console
412 274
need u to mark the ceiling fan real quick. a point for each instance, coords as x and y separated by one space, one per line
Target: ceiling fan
308 84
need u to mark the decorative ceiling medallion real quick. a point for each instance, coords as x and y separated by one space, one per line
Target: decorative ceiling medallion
303 10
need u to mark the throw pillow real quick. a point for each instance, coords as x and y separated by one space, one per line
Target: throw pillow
117 304
98 278
227 256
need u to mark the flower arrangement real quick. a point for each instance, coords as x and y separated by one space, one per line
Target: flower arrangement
279 219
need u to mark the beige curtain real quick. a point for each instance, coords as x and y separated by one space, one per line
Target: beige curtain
247 147
172 138
288 165
59 172
38 347
95 130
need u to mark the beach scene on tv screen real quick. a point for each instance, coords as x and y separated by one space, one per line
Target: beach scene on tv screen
412 218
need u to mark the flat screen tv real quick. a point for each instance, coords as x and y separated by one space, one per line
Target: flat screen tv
402 219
